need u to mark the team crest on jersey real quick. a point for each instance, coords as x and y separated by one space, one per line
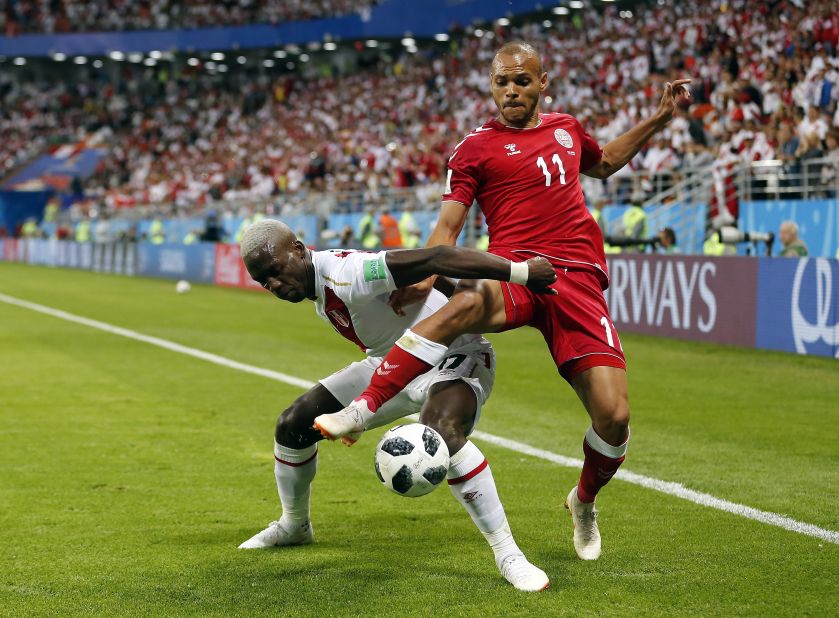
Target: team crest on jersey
564 138
339 317
511 149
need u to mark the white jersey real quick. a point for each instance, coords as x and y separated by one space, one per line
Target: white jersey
353 288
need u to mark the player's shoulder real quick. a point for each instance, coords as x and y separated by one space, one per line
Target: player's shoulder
328 260
476 136
558 119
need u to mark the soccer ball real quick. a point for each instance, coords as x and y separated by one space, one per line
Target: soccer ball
182 287
411 460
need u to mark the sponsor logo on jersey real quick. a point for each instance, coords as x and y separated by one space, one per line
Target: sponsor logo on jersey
511 148
564 138
385 368
340 318
374 269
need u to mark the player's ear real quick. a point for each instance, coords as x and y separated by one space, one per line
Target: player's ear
543 82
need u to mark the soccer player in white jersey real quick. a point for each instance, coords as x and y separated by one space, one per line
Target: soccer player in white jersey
351 291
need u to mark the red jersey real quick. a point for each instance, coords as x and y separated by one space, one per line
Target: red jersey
527 183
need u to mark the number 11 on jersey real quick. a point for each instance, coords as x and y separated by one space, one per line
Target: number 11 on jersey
544 167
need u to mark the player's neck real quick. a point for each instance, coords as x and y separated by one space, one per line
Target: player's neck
531 122
310 275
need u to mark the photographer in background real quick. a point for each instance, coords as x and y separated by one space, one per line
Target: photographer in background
793 246
667 241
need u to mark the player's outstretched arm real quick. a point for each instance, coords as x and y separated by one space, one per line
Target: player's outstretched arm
412 265
620 150
449 224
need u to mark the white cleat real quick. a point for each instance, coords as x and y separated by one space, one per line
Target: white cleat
524 576
347 424
586 532
278 535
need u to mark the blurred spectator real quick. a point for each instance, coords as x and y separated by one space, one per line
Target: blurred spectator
408 229
667 241
388 231
346 238
367 235
813 123
793 246
102 229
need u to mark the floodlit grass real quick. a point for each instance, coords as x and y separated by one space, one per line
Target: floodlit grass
131 473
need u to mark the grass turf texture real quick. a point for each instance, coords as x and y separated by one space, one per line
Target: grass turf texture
131 473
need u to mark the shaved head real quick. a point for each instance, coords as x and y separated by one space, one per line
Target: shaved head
266 235
517 82
518 48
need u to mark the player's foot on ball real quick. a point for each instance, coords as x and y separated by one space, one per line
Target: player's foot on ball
278 534
524 576
347 424
586 532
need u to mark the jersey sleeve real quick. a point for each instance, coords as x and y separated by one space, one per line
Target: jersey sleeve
590 151
359 277
462 174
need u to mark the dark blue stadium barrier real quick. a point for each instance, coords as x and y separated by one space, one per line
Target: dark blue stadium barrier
798 306
818 221
391 19
194 263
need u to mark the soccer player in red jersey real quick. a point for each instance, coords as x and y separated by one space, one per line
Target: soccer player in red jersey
523 169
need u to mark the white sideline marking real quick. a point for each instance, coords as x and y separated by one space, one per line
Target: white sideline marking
672 489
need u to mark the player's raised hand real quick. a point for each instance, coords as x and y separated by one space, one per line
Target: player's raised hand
672 91
540 275
402 297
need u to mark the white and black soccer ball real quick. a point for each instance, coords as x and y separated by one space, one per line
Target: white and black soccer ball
411 460
182 286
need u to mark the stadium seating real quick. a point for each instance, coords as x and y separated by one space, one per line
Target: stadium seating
20 16
181 136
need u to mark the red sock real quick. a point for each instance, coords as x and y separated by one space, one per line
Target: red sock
397 370
598 469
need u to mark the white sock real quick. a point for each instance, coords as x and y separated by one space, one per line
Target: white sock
294 470
471 482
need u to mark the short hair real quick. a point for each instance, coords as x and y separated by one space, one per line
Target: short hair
792 226
262 236
519 47
670 233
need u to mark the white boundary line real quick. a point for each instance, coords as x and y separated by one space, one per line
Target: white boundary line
672 489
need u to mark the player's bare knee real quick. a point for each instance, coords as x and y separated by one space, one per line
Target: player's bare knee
612 421
292 425
451 427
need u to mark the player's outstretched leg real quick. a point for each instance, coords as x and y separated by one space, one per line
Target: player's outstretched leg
603 392
450 410
412 356
295 465
477 306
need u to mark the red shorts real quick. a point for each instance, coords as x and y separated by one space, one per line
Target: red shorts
575 323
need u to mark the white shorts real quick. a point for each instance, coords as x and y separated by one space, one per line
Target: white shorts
470 358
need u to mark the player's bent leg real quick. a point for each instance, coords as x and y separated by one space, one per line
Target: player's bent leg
477 306
450 409
603 391
295 465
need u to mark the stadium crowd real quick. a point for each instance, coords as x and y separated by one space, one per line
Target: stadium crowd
60 16
766 83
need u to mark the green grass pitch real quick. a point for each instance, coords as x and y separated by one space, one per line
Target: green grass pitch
130 474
